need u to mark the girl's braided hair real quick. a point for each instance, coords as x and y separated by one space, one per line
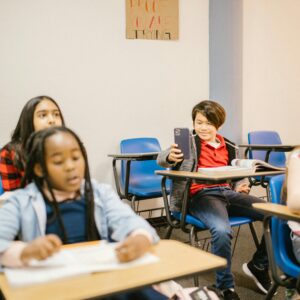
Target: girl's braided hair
35 154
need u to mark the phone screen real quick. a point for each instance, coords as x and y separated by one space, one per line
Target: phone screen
182 139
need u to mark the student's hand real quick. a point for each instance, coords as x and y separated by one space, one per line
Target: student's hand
175 154
41 248
133 247
243 188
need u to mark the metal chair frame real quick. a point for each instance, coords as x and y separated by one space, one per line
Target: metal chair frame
279 245
179 221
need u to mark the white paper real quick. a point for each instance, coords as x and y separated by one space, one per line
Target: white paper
226 170
71 262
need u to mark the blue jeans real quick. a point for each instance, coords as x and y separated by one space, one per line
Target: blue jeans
213 206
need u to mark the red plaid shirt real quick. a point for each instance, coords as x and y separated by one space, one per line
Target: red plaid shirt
10 175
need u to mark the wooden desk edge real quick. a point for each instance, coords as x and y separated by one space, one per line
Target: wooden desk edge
213 177
277 210
134 155
163 250
266 147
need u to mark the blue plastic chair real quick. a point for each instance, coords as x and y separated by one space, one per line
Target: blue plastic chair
191 225
266 138
142 182
275 158
282 255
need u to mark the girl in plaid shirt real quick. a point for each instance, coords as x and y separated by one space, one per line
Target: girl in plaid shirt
38 113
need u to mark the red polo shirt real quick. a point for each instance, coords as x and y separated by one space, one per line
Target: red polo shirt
211 157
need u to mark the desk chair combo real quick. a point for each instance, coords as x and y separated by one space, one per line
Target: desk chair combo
274 158
191 225
279 244
137 180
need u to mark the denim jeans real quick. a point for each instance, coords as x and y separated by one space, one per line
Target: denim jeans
213 206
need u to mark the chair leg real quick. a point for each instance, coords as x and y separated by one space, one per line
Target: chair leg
192 236
235 241
193 243
133 203
196 280
268 194
207 242
272 291
254 235
169 232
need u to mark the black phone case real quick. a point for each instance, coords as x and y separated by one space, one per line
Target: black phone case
182 139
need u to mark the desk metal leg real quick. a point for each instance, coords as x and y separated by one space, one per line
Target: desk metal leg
254 235
168 232
272 264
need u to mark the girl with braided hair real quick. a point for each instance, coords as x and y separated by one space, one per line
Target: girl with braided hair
62 205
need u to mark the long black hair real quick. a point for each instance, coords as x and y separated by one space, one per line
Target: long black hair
25 128
35 154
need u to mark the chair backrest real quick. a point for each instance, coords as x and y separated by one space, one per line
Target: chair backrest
140 171
281 240
266 138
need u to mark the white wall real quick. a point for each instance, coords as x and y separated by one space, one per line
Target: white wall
225 62
271 67
108 87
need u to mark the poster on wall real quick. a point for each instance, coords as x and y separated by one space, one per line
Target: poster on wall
152 19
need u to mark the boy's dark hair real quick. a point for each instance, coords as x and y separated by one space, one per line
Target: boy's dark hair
213 111
35 154
25 128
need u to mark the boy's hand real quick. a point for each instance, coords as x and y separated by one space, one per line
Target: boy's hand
41 248
175 154
133 247
243 188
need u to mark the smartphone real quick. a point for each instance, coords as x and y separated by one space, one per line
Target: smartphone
182 139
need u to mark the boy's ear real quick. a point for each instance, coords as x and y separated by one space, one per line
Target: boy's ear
38 170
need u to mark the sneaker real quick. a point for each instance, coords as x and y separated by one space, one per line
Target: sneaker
260 276
230 294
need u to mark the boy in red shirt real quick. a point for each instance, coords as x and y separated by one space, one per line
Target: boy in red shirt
213 203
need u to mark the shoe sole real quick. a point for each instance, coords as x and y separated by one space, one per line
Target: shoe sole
249 273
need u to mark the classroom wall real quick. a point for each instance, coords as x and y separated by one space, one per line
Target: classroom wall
225 62
271 67
109 88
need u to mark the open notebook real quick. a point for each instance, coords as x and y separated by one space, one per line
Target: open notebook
71 261
241 166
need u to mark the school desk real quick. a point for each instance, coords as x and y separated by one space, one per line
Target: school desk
213 177
267 148
177 260
283 212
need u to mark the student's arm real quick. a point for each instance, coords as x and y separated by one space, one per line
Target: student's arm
293 179
121 221
18 254
9 228
133 247
40 248
170 157
242 186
